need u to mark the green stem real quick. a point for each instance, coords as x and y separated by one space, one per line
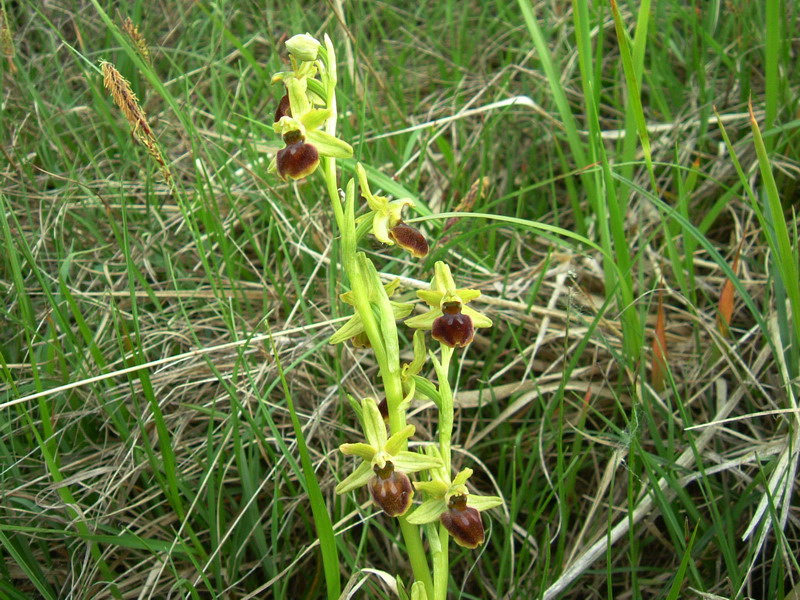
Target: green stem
441 562
389 365
441 565
446 410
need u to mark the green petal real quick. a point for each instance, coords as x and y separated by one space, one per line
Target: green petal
427 512
462 476
352 327
329 145
425 320
374 427
395 443
356 479
478 319
412 462
359 449
480 503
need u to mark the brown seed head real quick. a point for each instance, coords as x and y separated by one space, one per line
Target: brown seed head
138 40
128 103
463 523
6 38
453 328
391 490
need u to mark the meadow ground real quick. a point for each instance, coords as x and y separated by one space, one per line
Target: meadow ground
634 235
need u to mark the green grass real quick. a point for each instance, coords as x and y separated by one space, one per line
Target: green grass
166 386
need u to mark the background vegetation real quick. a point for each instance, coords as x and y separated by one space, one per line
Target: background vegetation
636 403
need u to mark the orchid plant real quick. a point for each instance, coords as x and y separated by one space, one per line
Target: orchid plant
306 121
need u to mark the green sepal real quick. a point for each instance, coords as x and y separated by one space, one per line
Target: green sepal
316 118
360 449
298 100
442 278
374 427
413 462
425 320
478 320
356 479
418 591
435 489
352 327
481 503
432 298
427 512
329 145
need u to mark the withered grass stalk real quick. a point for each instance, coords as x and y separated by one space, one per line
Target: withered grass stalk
126 100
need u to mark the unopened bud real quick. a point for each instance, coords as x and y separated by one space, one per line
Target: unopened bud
303 47
284 109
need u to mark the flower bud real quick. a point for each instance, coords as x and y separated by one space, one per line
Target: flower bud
361 340
391 490
297 160
409 239
303 47
463 522
383 407
284 109
453 328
